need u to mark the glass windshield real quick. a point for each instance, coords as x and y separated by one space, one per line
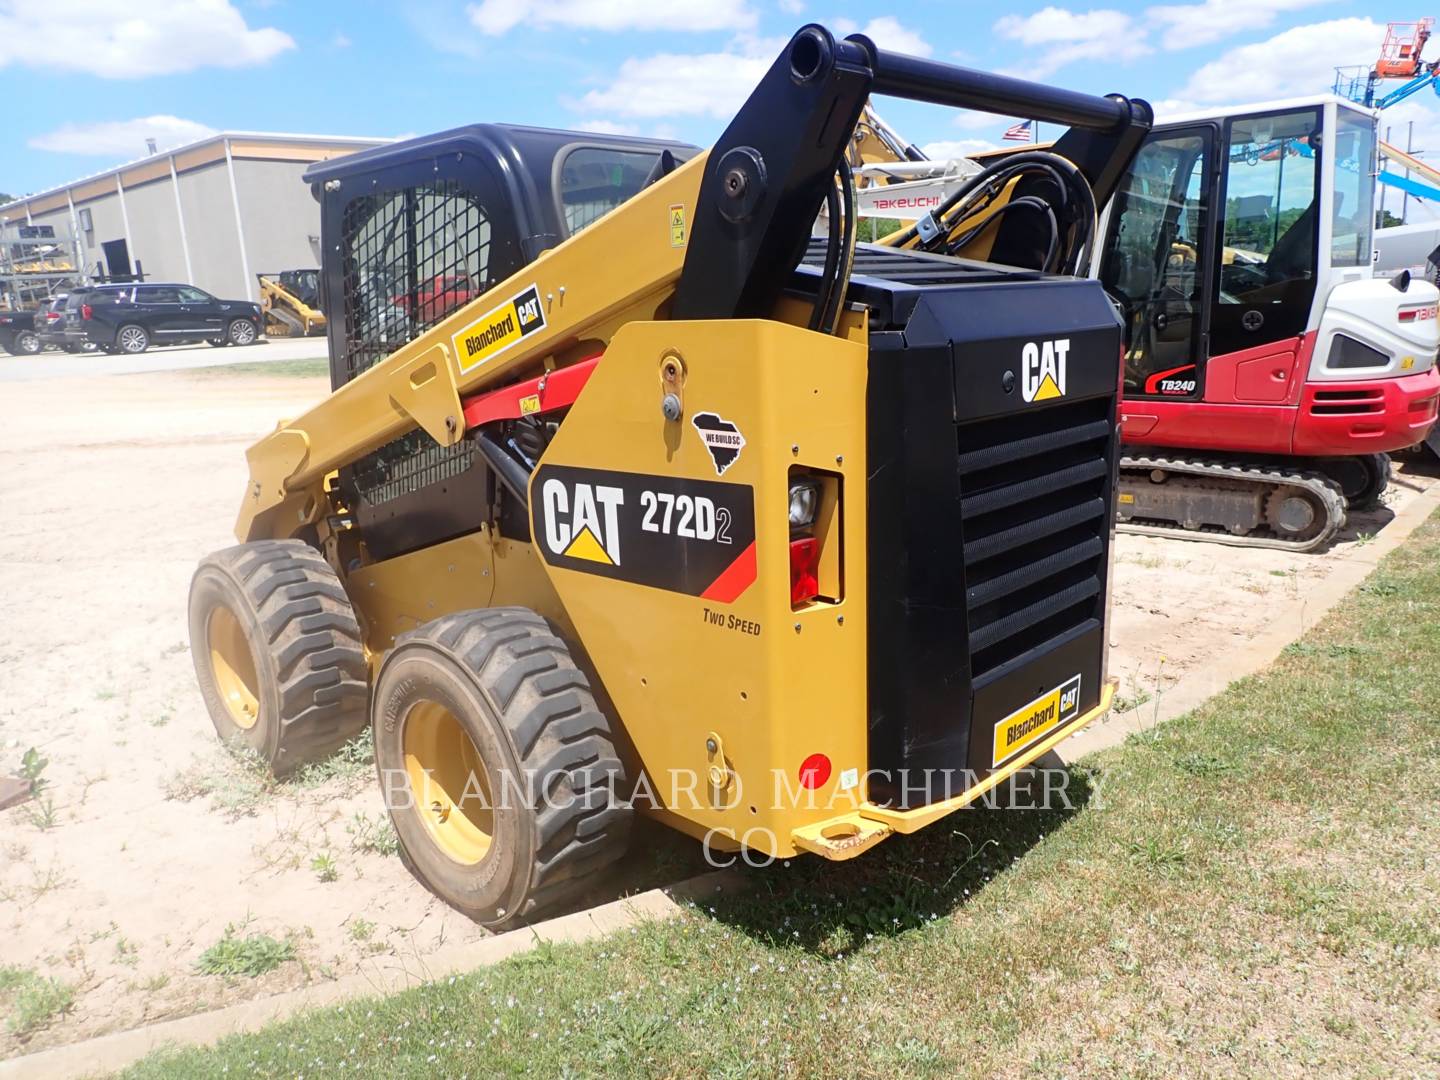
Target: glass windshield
1353 219
1271 202
1154 262
593 181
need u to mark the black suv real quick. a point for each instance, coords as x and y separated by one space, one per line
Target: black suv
50 325
17 333
131 318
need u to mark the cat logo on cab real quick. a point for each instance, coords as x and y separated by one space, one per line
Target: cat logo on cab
1042 369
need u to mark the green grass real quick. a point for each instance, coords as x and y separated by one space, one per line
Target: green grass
251 956
235 780
31 1001
1249 891
353 763
280 369
375 834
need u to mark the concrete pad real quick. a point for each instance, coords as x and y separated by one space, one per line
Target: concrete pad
52 364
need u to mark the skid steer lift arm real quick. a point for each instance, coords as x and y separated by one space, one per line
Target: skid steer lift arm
754 197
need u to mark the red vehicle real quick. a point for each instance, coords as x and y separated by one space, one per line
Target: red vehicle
1267 372
437 297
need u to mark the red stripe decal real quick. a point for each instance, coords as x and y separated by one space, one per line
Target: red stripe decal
734 580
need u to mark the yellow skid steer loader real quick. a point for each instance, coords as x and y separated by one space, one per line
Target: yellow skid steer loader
793 543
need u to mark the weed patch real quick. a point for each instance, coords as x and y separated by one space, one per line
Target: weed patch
251 956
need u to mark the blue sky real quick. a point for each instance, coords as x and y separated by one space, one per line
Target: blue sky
85 81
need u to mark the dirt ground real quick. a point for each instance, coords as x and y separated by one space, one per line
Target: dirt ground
152 840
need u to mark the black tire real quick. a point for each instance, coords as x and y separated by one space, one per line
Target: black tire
305 691
132 339
28 343
242 332
1362 478
504 679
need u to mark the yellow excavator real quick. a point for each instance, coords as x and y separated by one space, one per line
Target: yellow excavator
290 302
794 543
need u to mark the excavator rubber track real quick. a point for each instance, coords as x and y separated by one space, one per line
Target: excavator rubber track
1228 502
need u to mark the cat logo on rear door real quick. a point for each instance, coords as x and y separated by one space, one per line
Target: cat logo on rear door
1042 367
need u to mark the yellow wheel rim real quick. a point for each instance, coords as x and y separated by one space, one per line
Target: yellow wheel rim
233 667
448 778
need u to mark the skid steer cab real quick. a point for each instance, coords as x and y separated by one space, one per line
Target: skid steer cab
633 497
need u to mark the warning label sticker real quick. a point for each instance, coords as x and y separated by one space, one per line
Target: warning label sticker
677 225
499 328
1031 722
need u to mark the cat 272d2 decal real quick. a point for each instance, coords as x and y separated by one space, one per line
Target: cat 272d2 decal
688 536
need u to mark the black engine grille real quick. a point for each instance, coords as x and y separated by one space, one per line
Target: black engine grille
1034 488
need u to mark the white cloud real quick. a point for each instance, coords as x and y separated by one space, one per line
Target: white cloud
712 84
669 84
792 7
1301 60
122 41
121 138
501 16
341 41
886 32
1183 26
1057 36
607 127
969 120
948 149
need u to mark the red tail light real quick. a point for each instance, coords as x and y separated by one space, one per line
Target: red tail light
51 316
86 311
804 570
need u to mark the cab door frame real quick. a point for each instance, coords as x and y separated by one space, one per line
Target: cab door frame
1205 278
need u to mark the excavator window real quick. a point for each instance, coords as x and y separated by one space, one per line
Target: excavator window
1272 203
1353 218
1155 265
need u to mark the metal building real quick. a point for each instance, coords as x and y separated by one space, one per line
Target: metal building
214 213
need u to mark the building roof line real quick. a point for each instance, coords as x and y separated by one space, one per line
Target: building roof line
219 136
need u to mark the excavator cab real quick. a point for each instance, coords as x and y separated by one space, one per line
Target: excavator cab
1239 250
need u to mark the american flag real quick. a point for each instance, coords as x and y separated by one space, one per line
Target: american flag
1019 132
